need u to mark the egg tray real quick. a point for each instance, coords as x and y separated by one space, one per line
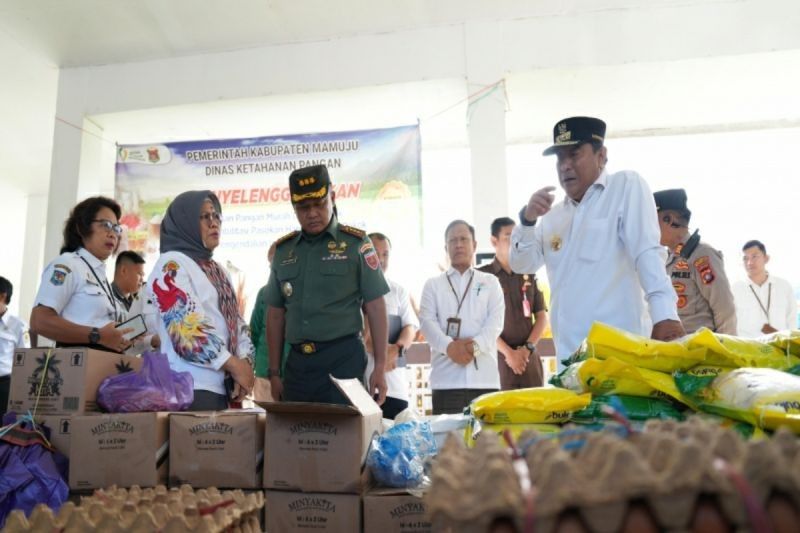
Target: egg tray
138 510
668 476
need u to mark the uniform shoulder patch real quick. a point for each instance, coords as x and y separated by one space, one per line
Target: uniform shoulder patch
355 232
705 271
288 236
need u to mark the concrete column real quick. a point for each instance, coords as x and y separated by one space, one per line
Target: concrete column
34 261
66 160
486 123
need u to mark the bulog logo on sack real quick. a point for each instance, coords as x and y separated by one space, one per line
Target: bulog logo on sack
313 427
46 380
211 427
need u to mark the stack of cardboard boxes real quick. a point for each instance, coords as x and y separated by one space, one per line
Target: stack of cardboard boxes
314 470
309 457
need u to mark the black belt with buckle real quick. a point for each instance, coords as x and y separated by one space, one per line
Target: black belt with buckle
312 347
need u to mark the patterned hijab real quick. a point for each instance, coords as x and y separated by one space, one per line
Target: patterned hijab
180 232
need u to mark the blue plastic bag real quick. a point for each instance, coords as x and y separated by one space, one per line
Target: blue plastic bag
399 456
156 387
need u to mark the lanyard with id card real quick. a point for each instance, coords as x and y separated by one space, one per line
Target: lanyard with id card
454 323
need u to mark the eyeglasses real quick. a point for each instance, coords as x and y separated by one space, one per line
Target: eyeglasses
110 226
209 217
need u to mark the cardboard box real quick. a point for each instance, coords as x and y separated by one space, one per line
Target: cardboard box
69 383
313 447
312 512
221 449
122 449
393 511
60 427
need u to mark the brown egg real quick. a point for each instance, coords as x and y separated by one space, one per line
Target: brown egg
639 519
570 522
708 518
782 514
502 525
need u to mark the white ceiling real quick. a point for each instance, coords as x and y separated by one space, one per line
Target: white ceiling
96 32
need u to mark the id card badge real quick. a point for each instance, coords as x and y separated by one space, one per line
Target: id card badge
453 327
526 307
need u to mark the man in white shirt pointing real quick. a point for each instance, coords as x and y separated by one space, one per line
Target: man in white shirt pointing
600 244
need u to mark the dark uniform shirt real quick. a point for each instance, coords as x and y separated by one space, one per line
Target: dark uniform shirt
517 288
698 276
322 282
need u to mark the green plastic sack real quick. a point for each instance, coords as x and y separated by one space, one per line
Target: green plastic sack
635 408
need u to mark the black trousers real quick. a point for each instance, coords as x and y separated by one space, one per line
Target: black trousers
453 401
305 377
5 385
205 400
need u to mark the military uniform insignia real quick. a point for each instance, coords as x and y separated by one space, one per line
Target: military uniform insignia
337 249
287 289
555 243
682 264
370 257
705 271
286 237
355 232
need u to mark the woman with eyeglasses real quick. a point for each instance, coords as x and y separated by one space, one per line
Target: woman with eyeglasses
75 305
200 327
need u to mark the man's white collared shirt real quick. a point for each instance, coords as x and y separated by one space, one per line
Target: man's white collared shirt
13 335
482 314
777 298
603 260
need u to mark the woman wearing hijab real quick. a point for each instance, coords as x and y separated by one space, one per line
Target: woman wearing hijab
75 305
200 327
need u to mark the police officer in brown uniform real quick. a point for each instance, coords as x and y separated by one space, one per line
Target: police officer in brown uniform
518 363
695 268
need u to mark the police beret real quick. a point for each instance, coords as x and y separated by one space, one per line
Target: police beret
309 183
576 130
671 200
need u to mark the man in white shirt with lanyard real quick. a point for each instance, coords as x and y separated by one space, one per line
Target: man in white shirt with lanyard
600 244
764 303
13 335
461 315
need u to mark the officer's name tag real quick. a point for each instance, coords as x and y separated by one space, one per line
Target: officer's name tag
453 327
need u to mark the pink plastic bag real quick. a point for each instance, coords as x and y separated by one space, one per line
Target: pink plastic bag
155 387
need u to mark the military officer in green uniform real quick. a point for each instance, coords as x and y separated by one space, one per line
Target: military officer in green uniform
695 268
320 279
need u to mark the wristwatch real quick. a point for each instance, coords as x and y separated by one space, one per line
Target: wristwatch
94 336
531 347
476 348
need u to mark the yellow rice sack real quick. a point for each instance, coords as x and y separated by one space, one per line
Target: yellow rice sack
604 341
727 350
538 405
614 376
763 397
787 340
